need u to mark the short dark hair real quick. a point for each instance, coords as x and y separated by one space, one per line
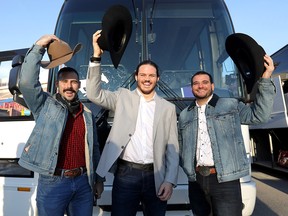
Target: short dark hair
148 62
201 73
67 69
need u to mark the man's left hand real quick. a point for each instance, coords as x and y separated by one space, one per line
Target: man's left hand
269 67
165 191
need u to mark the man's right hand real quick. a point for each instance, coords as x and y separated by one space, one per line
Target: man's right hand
97 50
46 39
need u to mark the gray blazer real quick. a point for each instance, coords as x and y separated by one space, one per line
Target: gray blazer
125 103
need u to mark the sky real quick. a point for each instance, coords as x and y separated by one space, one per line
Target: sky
22 22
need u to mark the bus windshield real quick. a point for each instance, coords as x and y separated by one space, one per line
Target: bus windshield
182 37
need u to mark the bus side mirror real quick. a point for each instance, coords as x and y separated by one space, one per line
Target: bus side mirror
13 84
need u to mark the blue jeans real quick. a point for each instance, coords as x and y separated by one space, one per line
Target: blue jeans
57 195
132 186
223 198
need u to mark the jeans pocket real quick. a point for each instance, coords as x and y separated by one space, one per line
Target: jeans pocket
47 180
123 170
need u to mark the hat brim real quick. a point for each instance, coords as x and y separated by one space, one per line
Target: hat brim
247 55
62 60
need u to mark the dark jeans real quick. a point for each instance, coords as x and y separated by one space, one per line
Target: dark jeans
223 198
56 194
132 186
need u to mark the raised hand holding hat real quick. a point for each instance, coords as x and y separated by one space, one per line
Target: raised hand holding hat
59 52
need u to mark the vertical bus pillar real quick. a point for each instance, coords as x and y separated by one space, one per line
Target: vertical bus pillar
271 150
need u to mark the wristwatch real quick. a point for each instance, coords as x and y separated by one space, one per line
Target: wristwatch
95 59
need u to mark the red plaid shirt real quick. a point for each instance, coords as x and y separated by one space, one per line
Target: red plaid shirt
72 146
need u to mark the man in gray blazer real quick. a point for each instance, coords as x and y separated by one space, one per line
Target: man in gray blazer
142 147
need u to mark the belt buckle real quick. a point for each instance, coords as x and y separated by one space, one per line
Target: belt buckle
204 170
72 173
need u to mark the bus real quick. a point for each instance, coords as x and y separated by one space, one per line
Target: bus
269 140
181 36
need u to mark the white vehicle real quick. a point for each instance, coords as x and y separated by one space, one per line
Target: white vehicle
181 36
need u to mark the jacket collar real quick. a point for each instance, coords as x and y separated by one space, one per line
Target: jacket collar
212 102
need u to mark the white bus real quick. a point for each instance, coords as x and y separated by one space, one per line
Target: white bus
181 36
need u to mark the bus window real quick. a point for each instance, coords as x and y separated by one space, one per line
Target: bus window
11 168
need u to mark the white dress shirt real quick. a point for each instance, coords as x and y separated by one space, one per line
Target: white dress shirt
140 147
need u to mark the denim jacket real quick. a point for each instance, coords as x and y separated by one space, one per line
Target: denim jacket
224 117
41 150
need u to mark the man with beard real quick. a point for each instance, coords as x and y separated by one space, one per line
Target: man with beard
212 151
63 145
142 147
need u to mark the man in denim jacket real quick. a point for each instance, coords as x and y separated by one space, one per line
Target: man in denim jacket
212 151
63 145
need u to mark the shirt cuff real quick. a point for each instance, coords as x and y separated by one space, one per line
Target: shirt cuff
94 64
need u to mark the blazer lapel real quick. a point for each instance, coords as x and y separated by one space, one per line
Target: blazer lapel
135 105
157 115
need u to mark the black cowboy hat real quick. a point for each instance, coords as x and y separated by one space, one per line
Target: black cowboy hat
248 55
116 32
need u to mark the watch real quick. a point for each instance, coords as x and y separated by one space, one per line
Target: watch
95 59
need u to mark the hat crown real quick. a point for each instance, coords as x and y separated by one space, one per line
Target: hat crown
58 49
247 55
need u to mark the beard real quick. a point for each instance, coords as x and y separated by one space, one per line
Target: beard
146 91
207 95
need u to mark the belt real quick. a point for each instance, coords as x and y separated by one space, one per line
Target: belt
205 170
70 173
144 167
